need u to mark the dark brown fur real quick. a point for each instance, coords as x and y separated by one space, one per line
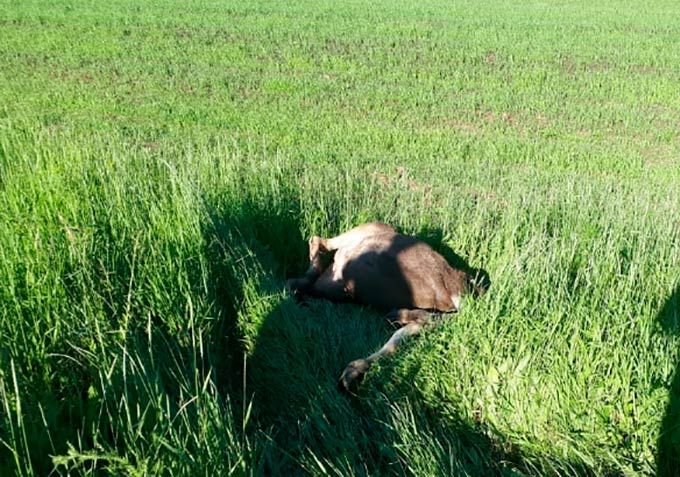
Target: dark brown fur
374 265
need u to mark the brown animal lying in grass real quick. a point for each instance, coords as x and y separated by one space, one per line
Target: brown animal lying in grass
374 265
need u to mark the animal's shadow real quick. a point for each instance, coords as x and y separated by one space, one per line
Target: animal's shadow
668 444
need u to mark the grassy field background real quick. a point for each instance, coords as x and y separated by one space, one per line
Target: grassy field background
163 163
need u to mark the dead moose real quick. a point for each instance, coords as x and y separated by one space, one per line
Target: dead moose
373 264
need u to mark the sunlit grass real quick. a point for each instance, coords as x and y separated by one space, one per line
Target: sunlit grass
162 164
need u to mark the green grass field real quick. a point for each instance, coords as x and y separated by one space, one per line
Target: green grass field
162 164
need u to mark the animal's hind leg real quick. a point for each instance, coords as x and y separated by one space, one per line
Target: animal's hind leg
321 249
357 368
321 253
319 260
328 287
318 249
353 237
404 316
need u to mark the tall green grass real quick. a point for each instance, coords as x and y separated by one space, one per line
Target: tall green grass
162 164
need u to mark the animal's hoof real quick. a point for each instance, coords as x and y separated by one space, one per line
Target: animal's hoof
353 374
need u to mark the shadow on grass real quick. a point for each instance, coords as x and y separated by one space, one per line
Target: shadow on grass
435 439
433 432
244 245
294 355
297 353
294 351
148 324
668 445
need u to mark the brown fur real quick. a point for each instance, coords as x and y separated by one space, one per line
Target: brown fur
374 265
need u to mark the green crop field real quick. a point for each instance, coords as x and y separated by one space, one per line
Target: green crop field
162 164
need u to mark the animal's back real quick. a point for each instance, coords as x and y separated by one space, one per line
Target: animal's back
389 270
